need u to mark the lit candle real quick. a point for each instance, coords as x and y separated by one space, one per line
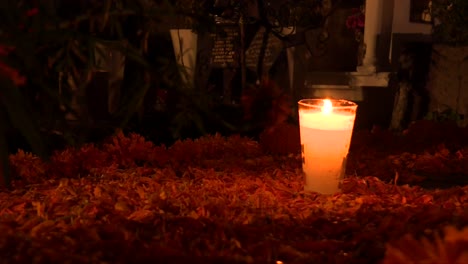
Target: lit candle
325 127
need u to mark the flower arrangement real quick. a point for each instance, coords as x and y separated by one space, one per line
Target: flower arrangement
225 200
356 21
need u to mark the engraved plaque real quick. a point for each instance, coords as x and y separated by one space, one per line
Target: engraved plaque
224 53
274 46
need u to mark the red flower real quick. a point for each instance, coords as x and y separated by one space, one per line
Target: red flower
356 20
13 74
360 20
9 72
5 69
4 50
32 12
351 22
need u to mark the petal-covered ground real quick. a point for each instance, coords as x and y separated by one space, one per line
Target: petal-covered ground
225 200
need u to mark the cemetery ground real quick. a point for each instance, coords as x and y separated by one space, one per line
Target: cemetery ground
226 200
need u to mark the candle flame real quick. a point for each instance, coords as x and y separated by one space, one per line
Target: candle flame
327 106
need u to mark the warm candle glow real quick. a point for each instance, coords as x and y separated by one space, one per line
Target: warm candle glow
325 127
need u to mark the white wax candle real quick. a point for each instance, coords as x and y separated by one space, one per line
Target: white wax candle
325 138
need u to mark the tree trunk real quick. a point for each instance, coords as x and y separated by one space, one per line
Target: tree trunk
405 88
401 106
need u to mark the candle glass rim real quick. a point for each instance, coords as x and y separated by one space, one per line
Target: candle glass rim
336 103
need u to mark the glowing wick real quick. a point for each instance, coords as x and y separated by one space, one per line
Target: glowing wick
327 107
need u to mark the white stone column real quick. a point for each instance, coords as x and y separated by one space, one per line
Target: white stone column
372 28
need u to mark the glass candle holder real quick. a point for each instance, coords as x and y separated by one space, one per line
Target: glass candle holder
326 126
